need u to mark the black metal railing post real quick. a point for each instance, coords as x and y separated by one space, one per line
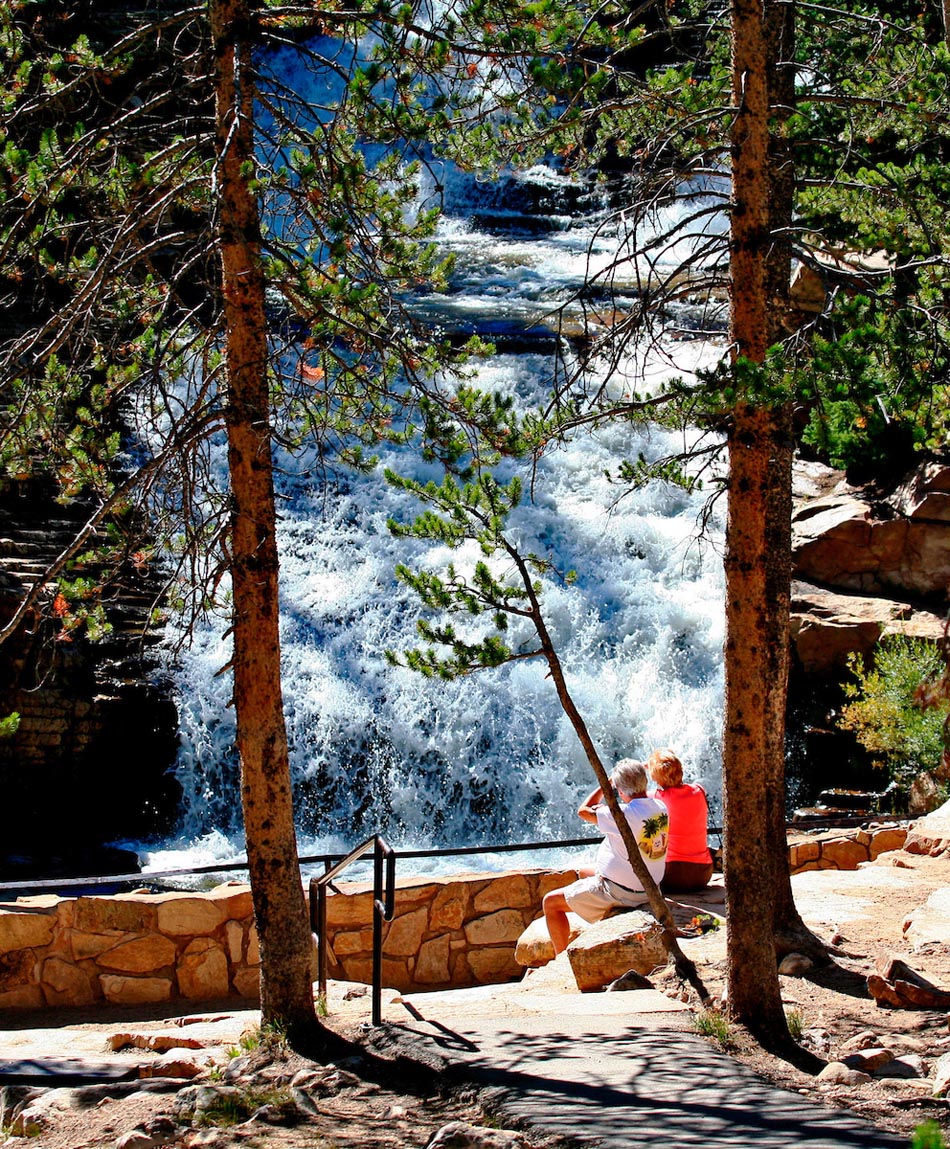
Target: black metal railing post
384 904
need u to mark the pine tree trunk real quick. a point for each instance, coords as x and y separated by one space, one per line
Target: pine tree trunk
758 533
756 666
279 903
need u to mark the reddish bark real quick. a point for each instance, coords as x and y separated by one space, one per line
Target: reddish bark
279 903
758 533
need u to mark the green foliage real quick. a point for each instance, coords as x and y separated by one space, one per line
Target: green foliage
9 725
712 1023
883 708
477 513
875 386
233 1107
795 1020
642 471
928 1136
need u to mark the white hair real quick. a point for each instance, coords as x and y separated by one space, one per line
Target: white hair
630 776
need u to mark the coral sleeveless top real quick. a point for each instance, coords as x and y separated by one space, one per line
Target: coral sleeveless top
688 821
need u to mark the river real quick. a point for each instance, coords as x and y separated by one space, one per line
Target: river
490 758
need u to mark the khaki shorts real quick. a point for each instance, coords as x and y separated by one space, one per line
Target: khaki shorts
591 898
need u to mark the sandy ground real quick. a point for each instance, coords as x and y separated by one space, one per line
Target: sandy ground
864 911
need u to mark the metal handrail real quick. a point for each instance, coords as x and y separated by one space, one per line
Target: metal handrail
384 905
384 875
140 877
39 885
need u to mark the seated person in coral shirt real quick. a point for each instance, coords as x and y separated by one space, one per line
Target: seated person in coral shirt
689 863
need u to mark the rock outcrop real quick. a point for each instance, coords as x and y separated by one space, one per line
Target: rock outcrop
865 567
930 835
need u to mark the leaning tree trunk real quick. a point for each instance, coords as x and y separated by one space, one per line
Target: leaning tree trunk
279 904
685 967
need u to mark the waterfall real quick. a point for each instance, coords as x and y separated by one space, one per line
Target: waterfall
490 758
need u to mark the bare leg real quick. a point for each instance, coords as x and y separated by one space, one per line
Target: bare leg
586 871
555 914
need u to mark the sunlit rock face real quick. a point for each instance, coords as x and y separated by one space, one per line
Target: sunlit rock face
865 568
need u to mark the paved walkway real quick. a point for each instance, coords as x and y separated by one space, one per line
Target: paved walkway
625 1070
626 1076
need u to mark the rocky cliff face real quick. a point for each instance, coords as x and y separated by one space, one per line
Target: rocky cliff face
98 730
867 564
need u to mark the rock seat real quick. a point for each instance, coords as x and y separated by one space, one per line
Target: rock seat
599 952
610 948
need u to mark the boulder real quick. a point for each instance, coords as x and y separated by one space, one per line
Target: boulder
607 949
941 1076
866 1039
861 562
898 986
930 923
795 965
924 494
534 946
176 1063
629 981
931 834
828 625
869 1060
462 1135
837 1073
924 794
906 1067
839 541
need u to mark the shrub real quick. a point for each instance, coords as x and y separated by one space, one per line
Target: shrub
928 1136
882 711
795 1020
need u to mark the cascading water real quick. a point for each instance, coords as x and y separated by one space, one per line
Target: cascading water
489 758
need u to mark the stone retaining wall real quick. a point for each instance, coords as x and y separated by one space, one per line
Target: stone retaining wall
140 947
128 949
448 932
842 850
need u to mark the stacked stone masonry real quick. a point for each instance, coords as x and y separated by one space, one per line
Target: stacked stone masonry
840 850
140 947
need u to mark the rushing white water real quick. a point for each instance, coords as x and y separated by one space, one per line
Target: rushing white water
490 758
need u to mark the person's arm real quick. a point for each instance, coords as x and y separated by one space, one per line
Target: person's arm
588 808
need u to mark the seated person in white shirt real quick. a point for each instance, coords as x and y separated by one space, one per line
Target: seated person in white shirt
611 881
